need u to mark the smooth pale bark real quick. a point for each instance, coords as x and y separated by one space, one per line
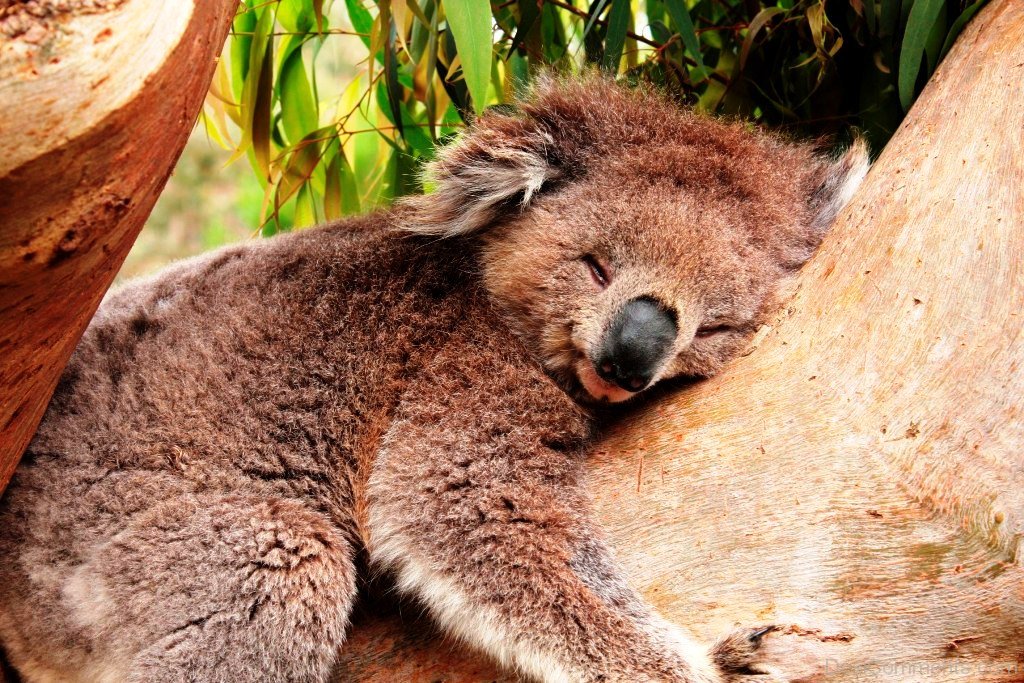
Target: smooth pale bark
861 472
94 111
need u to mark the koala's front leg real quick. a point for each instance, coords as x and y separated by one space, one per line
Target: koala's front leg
477 509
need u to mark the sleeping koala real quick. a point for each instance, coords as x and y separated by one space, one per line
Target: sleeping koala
417 386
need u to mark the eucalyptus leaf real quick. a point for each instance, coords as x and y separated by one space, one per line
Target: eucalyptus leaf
618 23
393 87
362 20
593 14
299 113
426 68
922 17
295 15
305 210
470 23
958 26
684 26
243 27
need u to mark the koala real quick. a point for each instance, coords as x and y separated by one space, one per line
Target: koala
412 391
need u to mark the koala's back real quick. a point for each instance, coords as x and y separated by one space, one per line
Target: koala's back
266 370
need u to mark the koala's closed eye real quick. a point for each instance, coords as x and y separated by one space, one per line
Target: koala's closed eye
713 330
599 270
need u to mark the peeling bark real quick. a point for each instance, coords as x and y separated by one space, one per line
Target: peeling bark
97 98
859 477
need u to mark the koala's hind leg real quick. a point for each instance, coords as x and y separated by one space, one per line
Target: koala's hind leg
226 589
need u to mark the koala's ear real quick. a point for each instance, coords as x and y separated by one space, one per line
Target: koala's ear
499 163
835 185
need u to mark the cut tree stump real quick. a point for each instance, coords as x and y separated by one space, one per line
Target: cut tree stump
861 473
97 99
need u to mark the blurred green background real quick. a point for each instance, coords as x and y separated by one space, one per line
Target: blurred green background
321 109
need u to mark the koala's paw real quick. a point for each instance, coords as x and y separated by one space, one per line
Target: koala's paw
737 655
776 654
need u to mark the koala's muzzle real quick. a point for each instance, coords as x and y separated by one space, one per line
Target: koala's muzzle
636 344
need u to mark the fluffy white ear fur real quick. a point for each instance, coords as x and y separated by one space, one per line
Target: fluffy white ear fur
501 163
478 176
842 178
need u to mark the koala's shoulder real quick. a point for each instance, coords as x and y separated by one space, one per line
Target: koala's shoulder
339 259
345 287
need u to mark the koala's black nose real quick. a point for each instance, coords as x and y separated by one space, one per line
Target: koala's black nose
636 344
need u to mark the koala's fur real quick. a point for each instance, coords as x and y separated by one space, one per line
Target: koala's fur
231 432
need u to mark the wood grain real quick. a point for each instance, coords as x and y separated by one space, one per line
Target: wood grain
94 112
859 476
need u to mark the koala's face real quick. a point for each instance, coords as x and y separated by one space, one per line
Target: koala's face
628 241
642 284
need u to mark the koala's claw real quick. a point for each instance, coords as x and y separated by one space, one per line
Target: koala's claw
756 636
777 653
737 657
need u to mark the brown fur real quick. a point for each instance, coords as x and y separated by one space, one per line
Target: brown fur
231 432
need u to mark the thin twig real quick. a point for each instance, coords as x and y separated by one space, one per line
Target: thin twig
332 31
246 8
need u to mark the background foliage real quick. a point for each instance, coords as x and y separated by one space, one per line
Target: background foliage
322 146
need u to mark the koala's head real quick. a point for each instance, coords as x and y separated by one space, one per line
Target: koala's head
630 241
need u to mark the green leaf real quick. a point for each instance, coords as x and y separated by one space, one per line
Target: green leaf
295 15
615 39
699 74
405 174
299 113
285 48
470 22
305 211
760 20
262 103
269 228
418 12
257 97
420 36
349 192
412 133
593 14
430 70
406 78
933 46
302 160
552 33
518 72
362 20
392 84
655 10
889 18
332 190
958 26
528 13
456 89
684 26
341 196
241 44
923 15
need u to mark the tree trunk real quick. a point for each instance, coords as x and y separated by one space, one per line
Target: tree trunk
97 100
861 473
